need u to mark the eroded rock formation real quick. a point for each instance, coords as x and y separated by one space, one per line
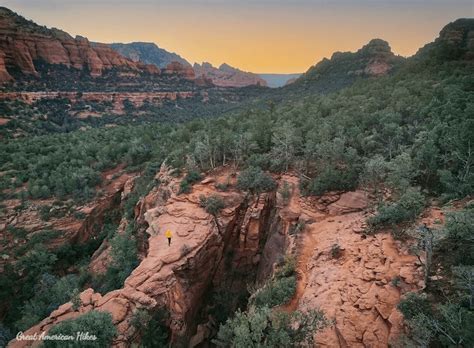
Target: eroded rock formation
24 43
176 68
227 76
176 277
344 272
355 278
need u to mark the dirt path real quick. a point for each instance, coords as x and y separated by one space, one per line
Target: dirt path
309 244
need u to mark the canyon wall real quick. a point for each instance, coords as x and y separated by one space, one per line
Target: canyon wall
74 228
116 99
23 43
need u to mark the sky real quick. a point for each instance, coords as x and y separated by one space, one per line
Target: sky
262 36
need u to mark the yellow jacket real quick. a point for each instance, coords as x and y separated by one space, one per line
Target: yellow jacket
168 234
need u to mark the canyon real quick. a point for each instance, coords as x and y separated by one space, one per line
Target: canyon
79 227
250 237
99 162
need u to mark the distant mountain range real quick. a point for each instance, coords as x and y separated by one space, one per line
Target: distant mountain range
279 80
148 53
228 76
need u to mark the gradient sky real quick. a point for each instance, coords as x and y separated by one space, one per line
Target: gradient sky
264 36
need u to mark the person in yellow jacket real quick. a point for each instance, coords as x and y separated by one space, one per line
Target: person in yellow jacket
168 235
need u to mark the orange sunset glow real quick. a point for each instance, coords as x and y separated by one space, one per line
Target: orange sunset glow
261 36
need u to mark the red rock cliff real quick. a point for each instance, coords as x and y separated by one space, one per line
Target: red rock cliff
23 44
227 76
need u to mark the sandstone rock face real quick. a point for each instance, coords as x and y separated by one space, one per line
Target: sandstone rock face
354 289
381 58
176 68
227 76
23 44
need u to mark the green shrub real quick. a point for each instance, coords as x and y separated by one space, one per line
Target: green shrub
50 293
95 323
190 178
17 232
222 186
406 209
280 289
332 179
336 251
124 257
193 177
184 187
212 204
459 233
255 180
275 293
287 269
414 304
262 327
152 328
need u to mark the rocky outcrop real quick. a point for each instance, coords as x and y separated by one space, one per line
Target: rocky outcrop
179 69
356 279
455 42
116 99
23 44
344 68
227 76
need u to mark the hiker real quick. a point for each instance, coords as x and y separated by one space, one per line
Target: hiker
168 235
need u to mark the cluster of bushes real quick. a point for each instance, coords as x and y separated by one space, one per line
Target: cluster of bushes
262 325
443 314
405 209
279 290
191 178
212 204
95 323
36 283
124 259
152 330
254 180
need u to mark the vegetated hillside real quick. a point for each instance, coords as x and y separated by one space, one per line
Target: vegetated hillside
344 68
148 53
405 137
37 113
